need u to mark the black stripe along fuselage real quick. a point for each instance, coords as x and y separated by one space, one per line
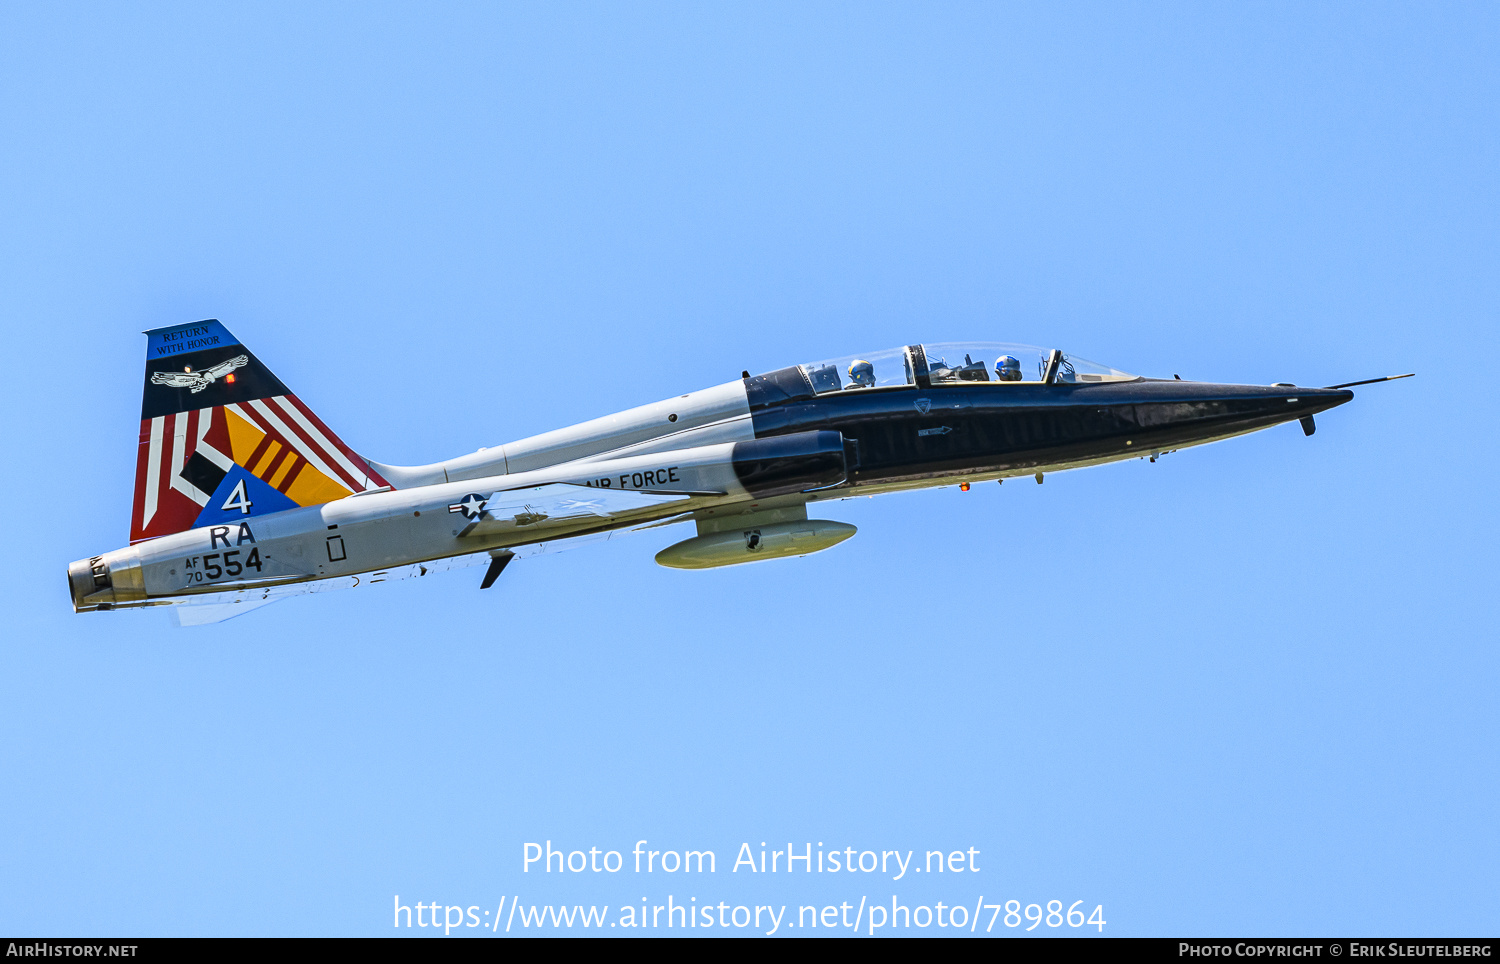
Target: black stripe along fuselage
909 433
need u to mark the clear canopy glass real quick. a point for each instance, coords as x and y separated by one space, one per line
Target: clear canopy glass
882 369
952 363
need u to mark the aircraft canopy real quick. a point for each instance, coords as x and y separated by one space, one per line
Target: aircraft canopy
950 363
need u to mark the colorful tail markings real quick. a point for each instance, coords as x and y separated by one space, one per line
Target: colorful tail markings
222 438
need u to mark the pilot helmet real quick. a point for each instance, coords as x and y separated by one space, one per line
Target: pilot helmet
862 373
1008 368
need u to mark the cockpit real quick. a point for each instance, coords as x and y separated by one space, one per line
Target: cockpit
949 363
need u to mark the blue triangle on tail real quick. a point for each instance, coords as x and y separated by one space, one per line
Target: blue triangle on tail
256 498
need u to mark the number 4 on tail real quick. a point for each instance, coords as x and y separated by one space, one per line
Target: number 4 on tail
238 499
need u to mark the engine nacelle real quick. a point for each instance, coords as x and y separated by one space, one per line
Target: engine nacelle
748 541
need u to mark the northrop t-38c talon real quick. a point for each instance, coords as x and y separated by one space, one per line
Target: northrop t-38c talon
243 496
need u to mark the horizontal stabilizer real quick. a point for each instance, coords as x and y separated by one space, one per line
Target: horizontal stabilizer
202 614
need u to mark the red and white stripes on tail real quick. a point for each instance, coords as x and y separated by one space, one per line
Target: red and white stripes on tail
161 472
285 417
168 502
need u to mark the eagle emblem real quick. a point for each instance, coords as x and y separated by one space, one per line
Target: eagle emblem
198 381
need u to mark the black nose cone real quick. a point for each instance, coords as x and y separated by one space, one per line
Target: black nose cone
1298 402
1184 413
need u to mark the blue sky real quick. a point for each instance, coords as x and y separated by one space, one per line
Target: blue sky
1247 689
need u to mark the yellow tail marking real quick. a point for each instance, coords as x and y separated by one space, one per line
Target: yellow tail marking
244 438
286 466
265 460
312 487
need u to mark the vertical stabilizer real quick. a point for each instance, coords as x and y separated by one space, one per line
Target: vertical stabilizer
222 439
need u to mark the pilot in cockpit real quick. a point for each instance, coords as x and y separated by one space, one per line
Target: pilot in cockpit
861 375
1008 368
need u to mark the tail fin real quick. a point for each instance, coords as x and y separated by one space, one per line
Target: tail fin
222 439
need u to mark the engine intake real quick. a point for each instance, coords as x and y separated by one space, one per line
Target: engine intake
785 464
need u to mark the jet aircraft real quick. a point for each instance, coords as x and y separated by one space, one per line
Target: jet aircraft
243 496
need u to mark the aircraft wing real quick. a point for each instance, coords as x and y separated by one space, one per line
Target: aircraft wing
538 512
216 607
544 509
